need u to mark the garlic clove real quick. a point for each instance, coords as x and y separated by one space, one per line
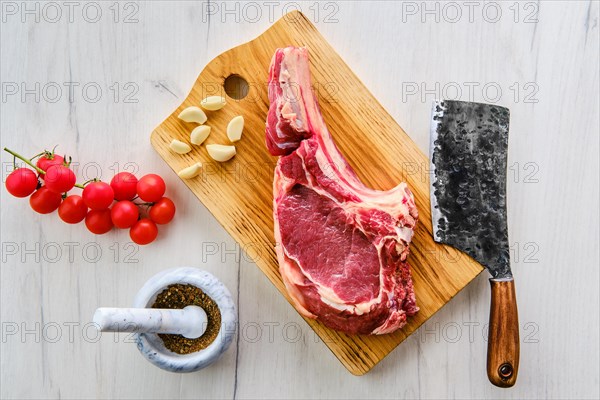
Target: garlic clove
220 152
190 172
213 103
235 128
193 114
199 134
180 147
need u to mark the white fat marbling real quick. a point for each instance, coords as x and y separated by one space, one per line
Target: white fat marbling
542 55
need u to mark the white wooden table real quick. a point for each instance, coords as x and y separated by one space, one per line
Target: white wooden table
129 64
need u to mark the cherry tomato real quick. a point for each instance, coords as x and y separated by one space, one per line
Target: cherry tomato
98 221
21 182
98 195
124 185
163 211
45 201
151 187
59 179
144 231
124 214
72 210
47 160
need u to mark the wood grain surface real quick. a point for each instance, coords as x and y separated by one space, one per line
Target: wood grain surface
503 337
239 193
543 56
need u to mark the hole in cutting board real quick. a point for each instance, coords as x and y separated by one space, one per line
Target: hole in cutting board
236 87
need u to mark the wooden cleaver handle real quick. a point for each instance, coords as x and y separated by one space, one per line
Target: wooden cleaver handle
503 336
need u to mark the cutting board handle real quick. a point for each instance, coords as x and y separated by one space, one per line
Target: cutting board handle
503 335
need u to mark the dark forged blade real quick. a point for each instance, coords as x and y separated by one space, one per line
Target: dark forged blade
469 143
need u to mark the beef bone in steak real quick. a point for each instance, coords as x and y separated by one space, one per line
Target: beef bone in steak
341 246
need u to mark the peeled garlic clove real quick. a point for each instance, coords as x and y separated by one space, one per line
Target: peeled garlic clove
234 128
199 134
190 172
193 114
180 147
213 103
220 152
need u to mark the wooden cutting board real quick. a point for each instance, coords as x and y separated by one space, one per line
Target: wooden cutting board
239 192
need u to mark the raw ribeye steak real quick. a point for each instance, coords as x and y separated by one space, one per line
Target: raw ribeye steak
341 246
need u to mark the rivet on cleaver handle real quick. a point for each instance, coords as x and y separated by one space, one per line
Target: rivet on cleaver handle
503 336
469 147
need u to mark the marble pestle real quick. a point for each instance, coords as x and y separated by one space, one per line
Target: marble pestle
189 322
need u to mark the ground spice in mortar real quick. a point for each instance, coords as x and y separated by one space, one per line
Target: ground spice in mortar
179 296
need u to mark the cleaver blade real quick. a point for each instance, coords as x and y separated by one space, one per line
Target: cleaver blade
468 152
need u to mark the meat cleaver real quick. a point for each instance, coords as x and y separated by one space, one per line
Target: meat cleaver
468 152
